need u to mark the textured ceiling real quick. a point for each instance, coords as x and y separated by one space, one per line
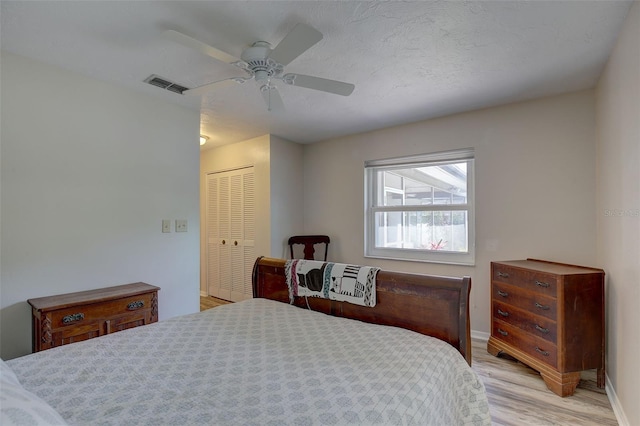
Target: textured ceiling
408 60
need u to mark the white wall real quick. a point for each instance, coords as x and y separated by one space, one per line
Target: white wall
535 179
287 210
88 172
618 211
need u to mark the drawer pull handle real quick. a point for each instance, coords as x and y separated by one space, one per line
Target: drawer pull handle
540 351
72 318
543 330
503 274
501 331
542 284
135 305
502 293
543 307
503 313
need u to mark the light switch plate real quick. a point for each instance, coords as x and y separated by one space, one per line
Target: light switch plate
166 225
181 225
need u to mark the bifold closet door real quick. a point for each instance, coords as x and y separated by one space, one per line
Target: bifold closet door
230 207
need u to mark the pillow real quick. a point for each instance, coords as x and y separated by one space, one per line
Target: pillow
18 406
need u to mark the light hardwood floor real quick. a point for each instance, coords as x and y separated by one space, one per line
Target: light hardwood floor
209 302
518 396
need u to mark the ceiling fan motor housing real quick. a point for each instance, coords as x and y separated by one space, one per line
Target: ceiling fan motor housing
259 63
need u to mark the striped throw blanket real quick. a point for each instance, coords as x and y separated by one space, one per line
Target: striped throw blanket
335 281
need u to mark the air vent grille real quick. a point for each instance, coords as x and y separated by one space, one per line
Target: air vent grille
163 83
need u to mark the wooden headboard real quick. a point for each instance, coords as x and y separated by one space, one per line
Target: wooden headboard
432 305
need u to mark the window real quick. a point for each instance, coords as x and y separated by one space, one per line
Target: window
421 208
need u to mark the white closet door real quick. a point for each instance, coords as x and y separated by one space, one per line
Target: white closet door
231 239
224 231
249 233
213 236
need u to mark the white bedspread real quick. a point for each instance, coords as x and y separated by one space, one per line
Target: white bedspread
257 362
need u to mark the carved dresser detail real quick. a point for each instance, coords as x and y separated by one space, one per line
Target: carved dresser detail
549 316
73 317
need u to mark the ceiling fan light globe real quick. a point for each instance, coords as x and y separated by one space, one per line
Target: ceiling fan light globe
261 75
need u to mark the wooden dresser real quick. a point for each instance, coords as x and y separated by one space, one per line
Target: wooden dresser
73 317
549 316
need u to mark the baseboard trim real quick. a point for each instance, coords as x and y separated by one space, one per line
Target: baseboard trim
608 387
203 294
615 403
480 335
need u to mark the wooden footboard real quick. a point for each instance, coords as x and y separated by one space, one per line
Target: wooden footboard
432 305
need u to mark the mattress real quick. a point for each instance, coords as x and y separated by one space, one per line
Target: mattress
257 362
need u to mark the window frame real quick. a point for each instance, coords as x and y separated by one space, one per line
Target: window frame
372 169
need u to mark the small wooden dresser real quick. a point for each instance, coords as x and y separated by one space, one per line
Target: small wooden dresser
73 317
549 316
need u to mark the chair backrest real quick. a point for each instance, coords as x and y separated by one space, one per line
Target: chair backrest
309 241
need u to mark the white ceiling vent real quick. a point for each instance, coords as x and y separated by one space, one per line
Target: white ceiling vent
163 83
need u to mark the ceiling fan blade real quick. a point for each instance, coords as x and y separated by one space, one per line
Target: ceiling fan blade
187 41
317 83
201 90
272 98
297 41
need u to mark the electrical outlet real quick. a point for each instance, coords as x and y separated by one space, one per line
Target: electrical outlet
166 225
181 225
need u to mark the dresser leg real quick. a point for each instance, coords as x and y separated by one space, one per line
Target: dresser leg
600 377
563 384
493 349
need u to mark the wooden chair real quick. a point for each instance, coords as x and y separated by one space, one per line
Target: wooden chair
309 241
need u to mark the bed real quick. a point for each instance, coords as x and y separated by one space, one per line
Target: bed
265 362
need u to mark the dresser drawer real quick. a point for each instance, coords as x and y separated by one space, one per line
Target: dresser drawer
78 333
125 322
527 300
97 311
537 347
533 324
539 282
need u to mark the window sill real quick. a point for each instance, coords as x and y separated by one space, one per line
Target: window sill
405 259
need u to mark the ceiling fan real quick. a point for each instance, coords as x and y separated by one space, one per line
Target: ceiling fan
266 65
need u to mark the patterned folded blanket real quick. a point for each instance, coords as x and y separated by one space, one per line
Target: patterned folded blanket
335 281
